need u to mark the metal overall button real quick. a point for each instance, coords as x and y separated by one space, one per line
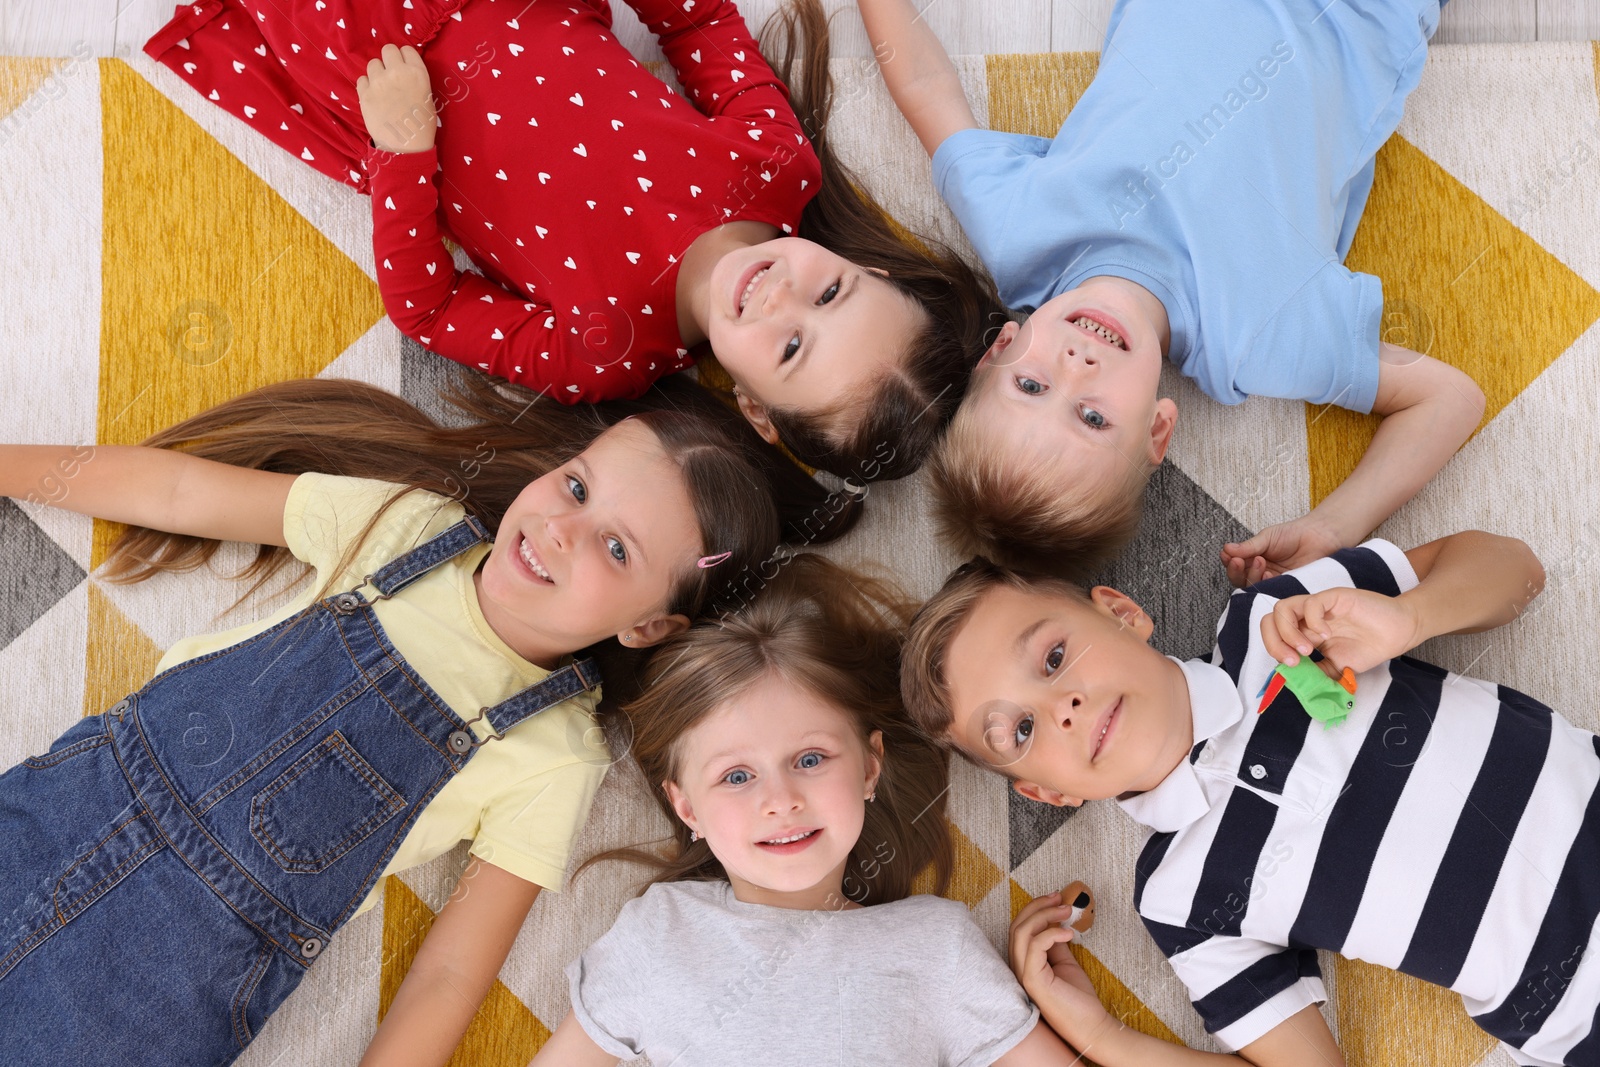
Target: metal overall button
118 708
310 947
460 742
345 603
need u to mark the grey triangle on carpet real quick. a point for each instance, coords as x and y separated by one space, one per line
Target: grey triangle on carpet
1031 824
1173 567
34 572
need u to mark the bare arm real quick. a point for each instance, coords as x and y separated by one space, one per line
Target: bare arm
917 71
1467 582
1429 411
569 1045
152 487
454 969
1471 581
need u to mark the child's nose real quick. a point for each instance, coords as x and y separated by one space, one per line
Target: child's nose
1069 709
560 529
783 796
780 294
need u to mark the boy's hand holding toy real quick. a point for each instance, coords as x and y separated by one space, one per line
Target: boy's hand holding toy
1352 628
397 101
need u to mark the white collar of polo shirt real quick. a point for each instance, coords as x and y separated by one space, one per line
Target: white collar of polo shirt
1179 800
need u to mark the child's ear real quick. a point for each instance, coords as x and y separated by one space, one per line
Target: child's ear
1002 341
680 803
755 413
1121 606
1161 427
1043 794
874 759
653 631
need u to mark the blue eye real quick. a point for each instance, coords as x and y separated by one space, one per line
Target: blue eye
617 550
790 349
828 295
1031 386
1093 418
810 761
577 489
736 777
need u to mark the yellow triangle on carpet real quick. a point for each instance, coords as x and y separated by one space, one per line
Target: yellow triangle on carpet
1119 999
504 1033
972 875
119 657
21 77
1444 256
1032 93
1020 898
1595 45
212 283
1388 1019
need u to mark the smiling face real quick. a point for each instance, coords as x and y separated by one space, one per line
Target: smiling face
776 781
591 550
1066 697
796 326
1075 386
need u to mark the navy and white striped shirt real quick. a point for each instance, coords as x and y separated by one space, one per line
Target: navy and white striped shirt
1449 829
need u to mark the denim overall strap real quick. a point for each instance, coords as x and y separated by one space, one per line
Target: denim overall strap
563 684
403 570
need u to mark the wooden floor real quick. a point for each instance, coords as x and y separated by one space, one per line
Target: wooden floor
120 27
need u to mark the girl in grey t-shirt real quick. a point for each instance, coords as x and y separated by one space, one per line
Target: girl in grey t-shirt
781 929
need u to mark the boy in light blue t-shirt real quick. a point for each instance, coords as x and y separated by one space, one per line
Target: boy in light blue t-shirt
1196 204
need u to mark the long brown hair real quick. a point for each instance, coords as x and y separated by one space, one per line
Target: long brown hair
889 433
835 634
506 438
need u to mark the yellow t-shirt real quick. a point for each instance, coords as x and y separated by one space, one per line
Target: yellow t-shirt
522 799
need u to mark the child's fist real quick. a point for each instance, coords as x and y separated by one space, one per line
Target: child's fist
396 102
1353 628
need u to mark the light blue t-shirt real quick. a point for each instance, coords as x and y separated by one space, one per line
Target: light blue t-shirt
1221 158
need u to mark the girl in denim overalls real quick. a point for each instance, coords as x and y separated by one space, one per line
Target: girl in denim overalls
161 891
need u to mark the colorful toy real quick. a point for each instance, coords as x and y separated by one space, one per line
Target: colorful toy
1077 896
1324 699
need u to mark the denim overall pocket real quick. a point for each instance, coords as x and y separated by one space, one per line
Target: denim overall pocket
323 804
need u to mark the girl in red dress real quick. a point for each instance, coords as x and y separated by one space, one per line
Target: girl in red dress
617 225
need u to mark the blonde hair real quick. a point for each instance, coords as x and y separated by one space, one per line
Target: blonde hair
924 687
836 635
997 504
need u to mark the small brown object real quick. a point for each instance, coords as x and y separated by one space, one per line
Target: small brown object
1077 897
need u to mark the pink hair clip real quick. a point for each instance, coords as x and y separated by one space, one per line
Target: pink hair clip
707 562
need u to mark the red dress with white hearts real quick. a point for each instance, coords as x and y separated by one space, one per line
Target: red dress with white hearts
571 175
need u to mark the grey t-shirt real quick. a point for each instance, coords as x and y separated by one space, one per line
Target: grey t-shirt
691 975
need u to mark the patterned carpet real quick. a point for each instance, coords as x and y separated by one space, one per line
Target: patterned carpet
168 259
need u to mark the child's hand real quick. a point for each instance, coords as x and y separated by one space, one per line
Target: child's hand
1354 628
1277 549
396 102
1049 973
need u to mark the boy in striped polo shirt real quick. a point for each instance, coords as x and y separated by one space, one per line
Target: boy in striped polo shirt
1447 827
